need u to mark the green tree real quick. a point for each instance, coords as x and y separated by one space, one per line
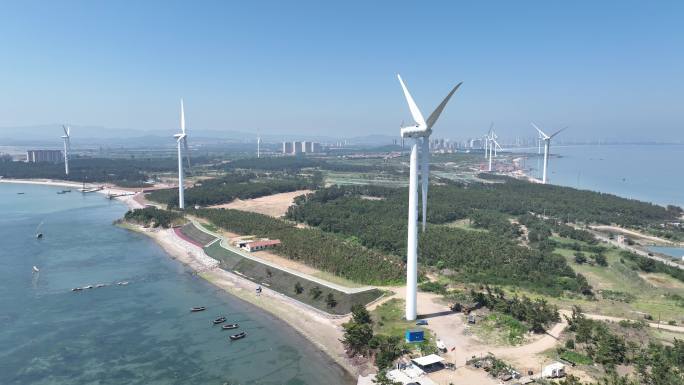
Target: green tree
315 292
298 288
330 300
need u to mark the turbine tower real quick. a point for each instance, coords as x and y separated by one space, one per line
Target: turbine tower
420 133
547 144
67 147
258 147
182 144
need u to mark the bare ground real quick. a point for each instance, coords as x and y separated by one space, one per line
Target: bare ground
272 205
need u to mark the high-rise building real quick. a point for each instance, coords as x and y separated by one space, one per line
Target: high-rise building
35 156
287 147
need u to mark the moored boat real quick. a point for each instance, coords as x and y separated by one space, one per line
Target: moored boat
238 336
230 326
219 320
198 308
77 289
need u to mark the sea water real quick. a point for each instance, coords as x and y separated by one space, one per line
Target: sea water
650 173
140 333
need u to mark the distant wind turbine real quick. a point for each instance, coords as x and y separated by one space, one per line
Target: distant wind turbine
182 144
547 145
420 133
67 147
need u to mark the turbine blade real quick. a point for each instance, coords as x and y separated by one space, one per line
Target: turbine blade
66 131
182 117
541 133
415 112
432 119
557 132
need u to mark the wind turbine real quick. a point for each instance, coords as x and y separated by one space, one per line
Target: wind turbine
420 133
258 147
547 144
67 147
182 144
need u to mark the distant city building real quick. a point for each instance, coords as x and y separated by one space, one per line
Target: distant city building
297 148
294 148
35 156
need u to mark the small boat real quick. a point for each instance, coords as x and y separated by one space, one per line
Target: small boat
124 283
60 192
77 289
100 285
20 193
230 326
39 234
219 320
88 287
238 336
198 308
35 269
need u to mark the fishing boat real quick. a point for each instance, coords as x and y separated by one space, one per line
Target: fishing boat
198 308
88 287
35 269
124 283
238 336
77 289
39 234
219 320
20 193
61 192
230 326
100 285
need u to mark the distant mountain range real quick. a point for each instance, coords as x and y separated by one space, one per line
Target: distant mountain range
49 135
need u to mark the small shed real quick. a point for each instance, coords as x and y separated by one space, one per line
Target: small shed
429 363
415 335
554 370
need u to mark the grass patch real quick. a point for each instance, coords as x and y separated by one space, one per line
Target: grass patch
293 286
501 328
388 320
577 358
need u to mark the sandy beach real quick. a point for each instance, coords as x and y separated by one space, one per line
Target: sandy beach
324 332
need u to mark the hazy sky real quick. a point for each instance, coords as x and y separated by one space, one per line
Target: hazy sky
604 68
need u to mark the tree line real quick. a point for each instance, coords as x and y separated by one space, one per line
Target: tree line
313 247
122 172
152 216
298 163
237 185
481 257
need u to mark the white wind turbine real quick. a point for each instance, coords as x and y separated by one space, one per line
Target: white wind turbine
182 144
547 144
420 133
67 147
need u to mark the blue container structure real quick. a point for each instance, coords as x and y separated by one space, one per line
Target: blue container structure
415 336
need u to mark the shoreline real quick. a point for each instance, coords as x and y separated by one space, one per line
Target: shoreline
324 333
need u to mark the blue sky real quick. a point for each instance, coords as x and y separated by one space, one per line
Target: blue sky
607 69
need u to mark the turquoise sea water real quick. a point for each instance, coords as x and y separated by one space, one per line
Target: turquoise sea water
674 252
651 173
141 333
